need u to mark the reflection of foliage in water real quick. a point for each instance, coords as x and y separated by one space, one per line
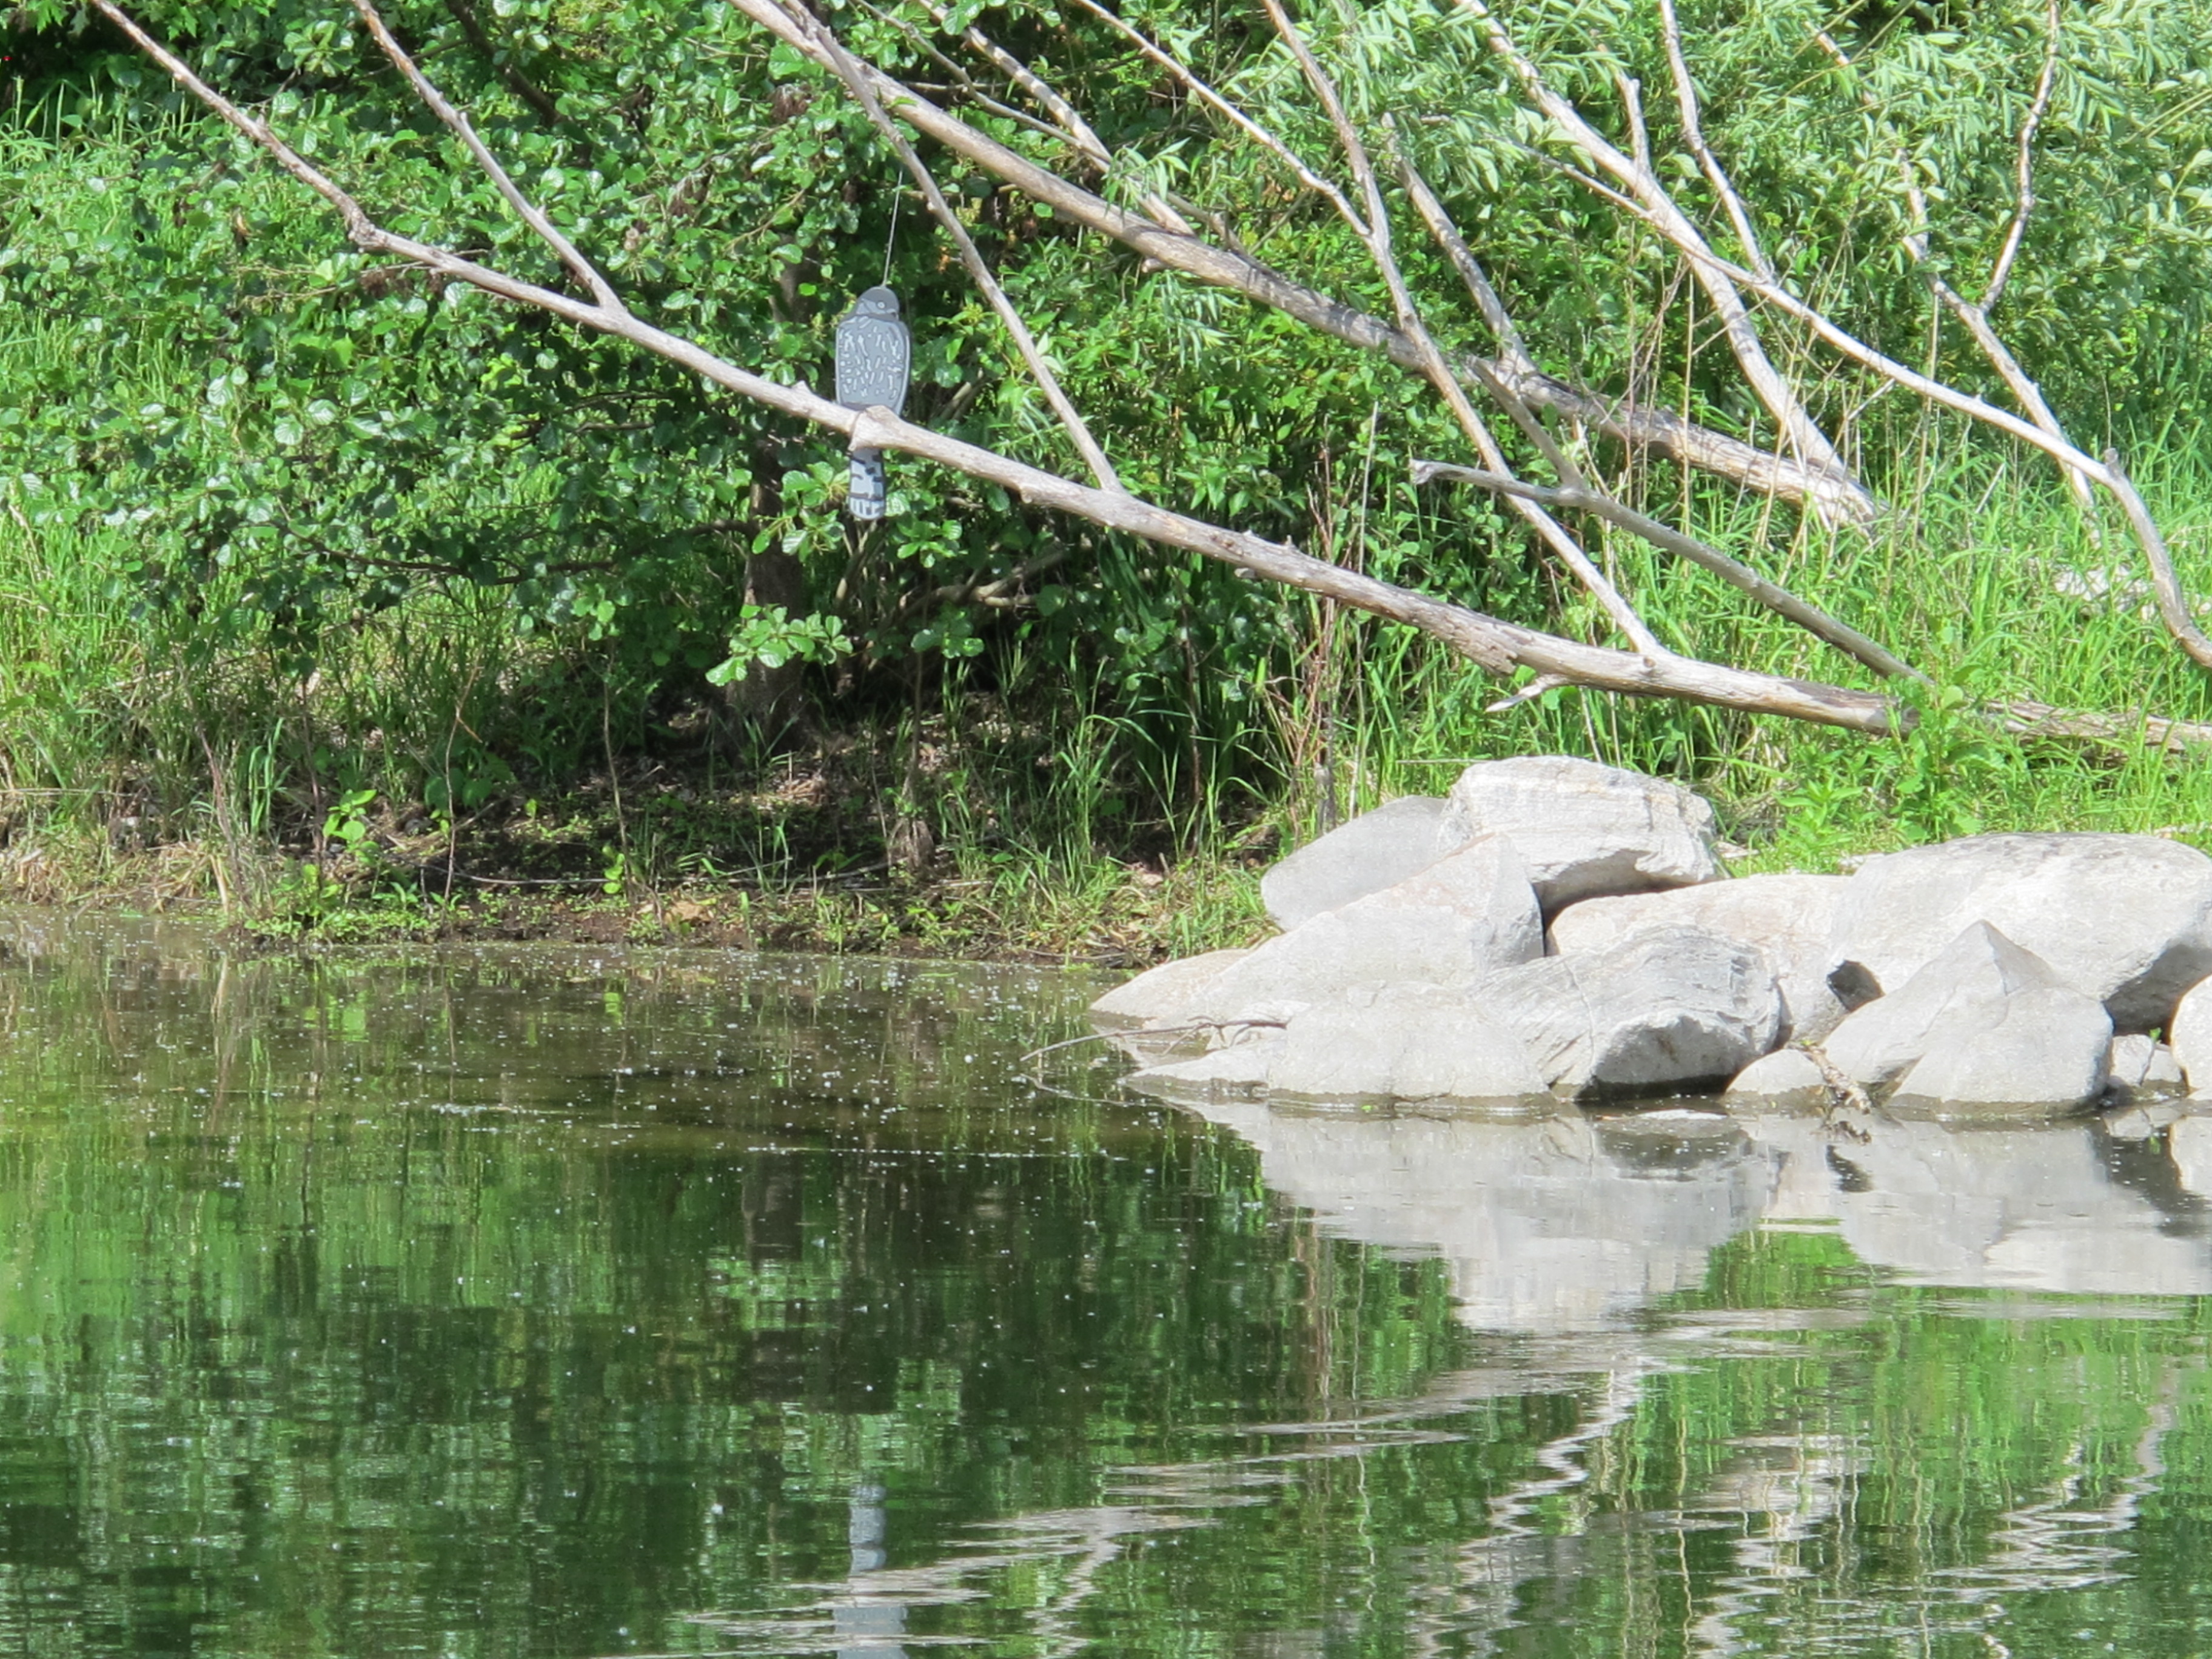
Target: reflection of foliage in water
510 1303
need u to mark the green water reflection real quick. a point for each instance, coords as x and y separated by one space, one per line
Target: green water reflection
548 1303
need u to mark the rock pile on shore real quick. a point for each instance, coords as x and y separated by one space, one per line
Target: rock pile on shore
1557 928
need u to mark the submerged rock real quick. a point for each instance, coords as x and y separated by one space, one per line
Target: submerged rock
1407 1045
2125 919
1585 830
1788 1078
1788 918
1666 1008
1240 1068
1463 917
1375 850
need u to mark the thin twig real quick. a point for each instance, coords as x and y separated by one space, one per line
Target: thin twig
435 102
2024 164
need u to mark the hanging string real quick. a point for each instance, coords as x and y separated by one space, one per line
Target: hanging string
891 237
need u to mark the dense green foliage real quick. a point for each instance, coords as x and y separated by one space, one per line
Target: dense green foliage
280 529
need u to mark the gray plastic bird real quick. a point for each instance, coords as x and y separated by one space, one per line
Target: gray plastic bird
874 353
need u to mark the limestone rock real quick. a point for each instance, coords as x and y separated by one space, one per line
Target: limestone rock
1459 919
2126 919
1163 992
1240 1068
1789 918
1789 1078
1375 850
1585 830
2191 1034
2038 1052
1882 1042
1405 1045
1667 1007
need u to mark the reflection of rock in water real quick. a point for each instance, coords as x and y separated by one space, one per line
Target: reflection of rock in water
2054 1208
1546 1223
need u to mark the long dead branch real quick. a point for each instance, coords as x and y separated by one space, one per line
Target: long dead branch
1499 647
1775 597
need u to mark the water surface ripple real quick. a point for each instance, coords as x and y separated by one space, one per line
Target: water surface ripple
560 1303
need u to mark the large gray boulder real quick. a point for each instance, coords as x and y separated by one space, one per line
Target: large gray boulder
1375 850
1463 917
1405 1045
1666 1008
1788 918
1585 830
2126 919
1879 1042
2035 1054
1984 1029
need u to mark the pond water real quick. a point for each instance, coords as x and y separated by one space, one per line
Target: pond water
559 1302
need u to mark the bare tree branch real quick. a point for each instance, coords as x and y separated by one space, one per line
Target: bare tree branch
1772 595
1237 118
1373 228
1578 494
1693 134
435 102
1975 318
1659 207
2024 163
2173 608
1065 115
